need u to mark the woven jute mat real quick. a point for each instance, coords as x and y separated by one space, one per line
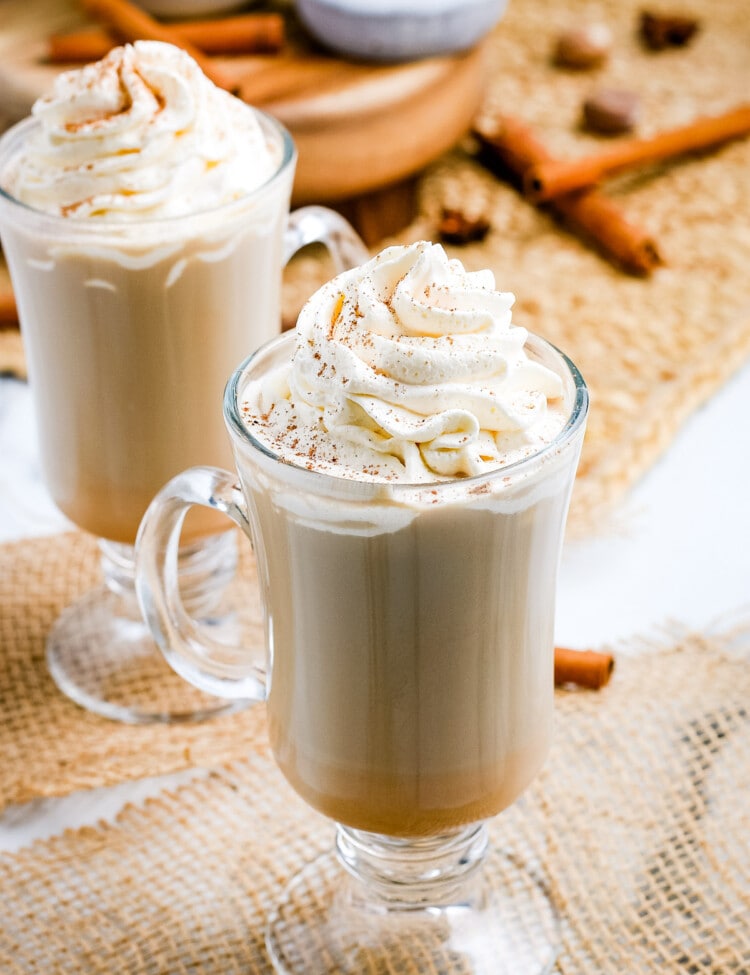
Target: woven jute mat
51 747
651 350
637 825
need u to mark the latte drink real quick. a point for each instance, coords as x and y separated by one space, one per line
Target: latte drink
407 475
142 218
119 333
412 653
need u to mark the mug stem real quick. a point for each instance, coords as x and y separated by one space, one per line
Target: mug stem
414 873
443 905
206 568
101 654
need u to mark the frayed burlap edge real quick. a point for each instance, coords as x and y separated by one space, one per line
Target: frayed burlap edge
634 826
651 350
50 746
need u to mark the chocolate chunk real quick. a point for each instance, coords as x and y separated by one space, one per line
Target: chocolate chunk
611 111
583 48
659 31
456 227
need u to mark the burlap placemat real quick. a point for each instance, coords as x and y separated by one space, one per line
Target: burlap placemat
51 747
651 350
639 821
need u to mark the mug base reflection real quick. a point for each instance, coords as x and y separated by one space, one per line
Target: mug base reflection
101 654
494 919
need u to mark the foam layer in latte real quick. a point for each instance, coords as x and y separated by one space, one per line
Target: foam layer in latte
142 134
407 368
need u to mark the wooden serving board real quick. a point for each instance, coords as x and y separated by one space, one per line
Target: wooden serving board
358 127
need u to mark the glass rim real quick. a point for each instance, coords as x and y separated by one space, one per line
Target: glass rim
92 226
572 427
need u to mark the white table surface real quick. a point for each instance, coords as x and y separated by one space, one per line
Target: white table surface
680 554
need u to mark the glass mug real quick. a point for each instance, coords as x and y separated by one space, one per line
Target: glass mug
408 681
128 328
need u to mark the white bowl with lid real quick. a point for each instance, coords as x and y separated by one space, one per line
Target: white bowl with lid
399 30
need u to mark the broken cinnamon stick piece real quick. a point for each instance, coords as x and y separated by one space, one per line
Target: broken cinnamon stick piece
660 30
551 178
509 148
255 33
457 227
81 46
586 668
610 111
133 24
8 310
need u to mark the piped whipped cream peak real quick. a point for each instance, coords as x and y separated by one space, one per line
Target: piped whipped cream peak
141 134
407 368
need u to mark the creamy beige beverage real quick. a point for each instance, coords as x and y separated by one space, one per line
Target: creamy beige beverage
146 259
412 667
410 583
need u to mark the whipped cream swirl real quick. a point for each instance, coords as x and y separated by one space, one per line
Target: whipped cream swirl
408 368
141 134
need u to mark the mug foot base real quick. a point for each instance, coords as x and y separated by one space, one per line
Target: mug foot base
101 655
504 924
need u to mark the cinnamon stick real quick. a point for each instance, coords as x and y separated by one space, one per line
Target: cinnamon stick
81 46
457 227
509 148
586 668
8 310
254 33
132 24
288 76
554 177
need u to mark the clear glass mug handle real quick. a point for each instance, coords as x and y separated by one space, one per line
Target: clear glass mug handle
212 666
208 664
316 224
